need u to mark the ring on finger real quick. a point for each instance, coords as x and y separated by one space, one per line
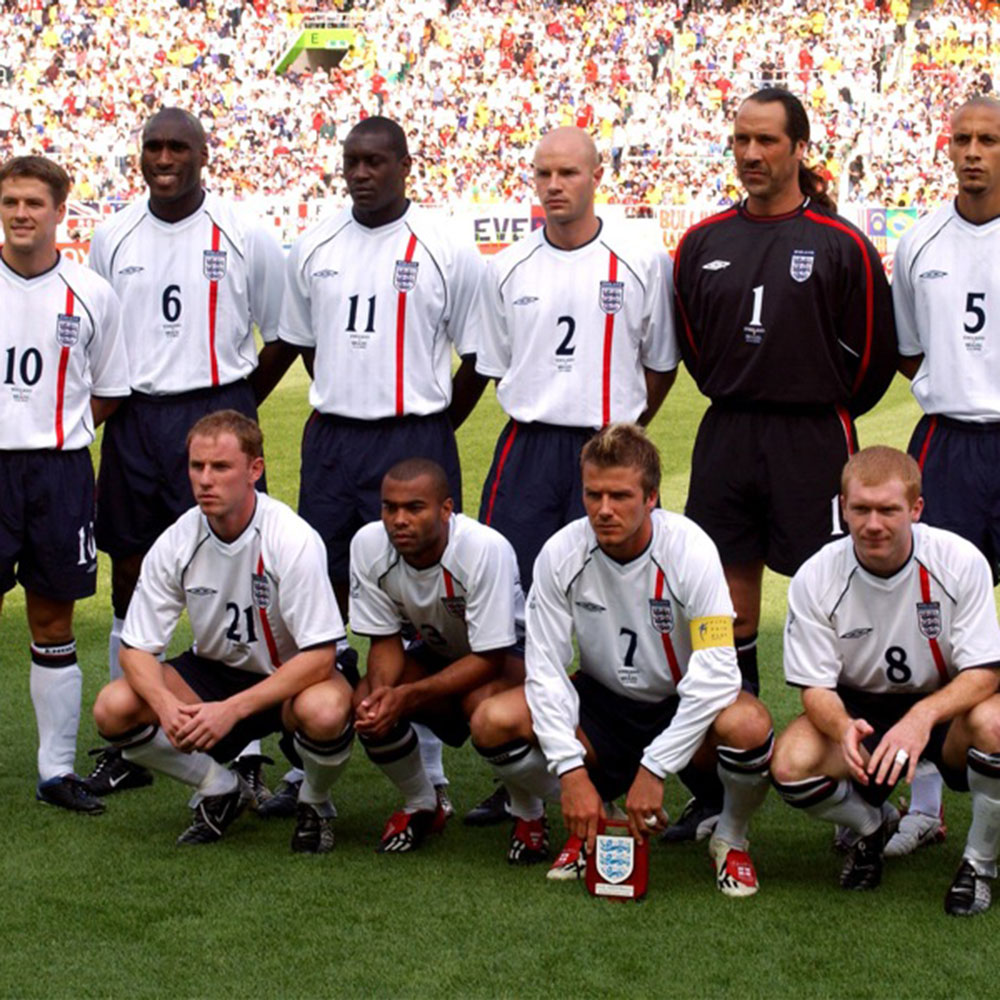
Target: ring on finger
902 757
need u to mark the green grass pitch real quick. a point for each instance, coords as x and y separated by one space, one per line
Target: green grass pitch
109 907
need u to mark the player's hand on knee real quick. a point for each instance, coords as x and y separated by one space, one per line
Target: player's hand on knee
898 752
644 805
208 722
582 807
850 744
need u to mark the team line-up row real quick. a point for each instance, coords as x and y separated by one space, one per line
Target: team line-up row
778 307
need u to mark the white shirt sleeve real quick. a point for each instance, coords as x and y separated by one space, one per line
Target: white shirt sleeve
267 281
552 698
975 638
296 326
811 656
97 256
468 270
370 610
658 349
712 679
305 596
493 347
106 352
489 611
904 303
158 599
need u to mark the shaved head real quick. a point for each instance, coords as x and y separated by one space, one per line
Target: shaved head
980 102
174 119
572 142
974 150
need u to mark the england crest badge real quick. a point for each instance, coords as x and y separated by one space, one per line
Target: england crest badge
619 867
260 590
213 264
67 330
404 275
612 296
929 618
455 606
661 615
801 266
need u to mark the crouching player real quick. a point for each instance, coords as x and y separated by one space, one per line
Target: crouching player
657 691
426 571
252 576
892 636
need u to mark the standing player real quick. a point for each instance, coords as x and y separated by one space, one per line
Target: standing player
657 691
892 636
252 577
376 297
944 290
427 570
65 372
193 279
785 321
576 328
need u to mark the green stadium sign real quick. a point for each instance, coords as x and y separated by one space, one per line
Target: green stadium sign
334 41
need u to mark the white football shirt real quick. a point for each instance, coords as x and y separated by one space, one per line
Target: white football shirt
470 601
658 626
382 307
946 295
60 344
569 332
191 292
252 603
908 633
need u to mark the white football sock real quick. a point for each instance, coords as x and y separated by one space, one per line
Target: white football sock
55 684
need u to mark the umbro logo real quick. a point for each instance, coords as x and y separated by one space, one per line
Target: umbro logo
325 273
856 633
132 269
525 300
588 606
716 265
201 591
930 275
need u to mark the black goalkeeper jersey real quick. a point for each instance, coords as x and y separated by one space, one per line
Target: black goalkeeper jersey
792 310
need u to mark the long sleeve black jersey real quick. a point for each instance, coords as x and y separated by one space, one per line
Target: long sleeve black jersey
790 310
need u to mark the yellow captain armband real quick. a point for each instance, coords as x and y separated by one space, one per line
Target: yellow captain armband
714 631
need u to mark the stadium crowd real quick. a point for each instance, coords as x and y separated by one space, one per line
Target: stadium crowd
476 85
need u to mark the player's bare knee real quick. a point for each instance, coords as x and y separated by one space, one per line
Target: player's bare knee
117 708
795 757
322 711
494 722
746 723
983 723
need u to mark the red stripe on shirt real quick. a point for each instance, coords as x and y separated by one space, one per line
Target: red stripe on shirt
925 593
61 378
931 428
869 290
845 422
213 308
609 336
265 625
500 464
668 646
411 246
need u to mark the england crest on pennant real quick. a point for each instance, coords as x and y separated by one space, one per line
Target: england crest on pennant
801 266
404 275
929 618
661 615
213 264
612 296
615 857
67 330
260 590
